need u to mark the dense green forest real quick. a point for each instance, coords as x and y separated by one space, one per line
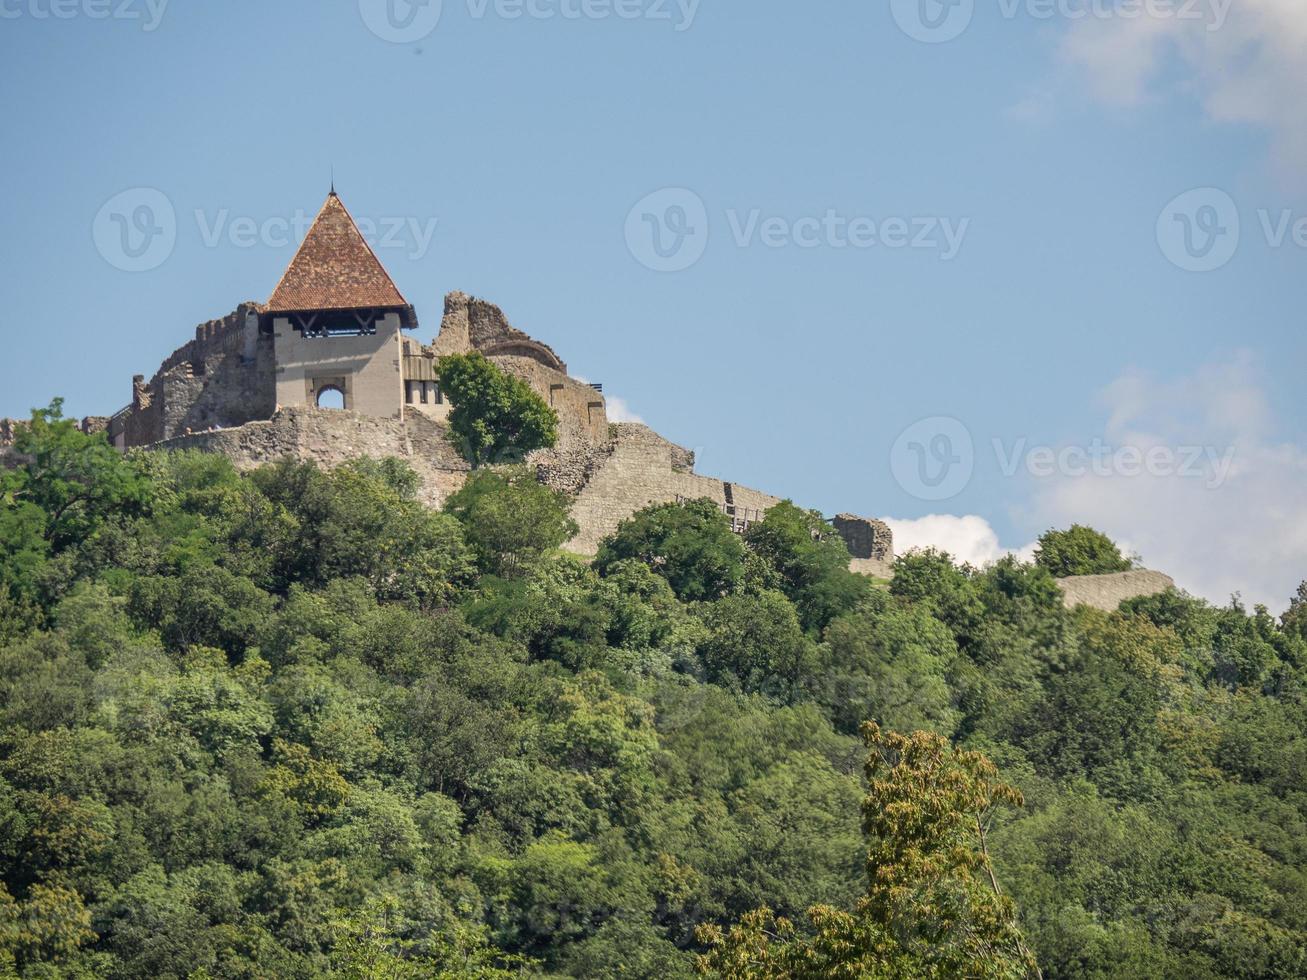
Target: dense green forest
295 724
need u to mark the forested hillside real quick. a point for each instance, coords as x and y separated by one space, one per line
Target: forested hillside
294 724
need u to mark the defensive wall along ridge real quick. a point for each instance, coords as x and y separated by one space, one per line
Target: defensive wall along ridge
328 369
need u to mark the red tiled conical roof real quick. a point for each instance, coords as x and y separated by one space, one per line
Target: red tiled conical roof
334 269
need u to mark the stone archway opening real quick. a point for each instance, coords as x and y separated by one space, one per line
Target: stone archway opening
331 397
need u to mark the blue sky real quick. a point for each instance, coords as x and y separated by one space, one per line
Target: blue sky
1051 145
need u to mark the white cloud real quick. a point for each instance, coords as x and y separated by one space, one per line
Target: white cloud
1246 533
619 411
617 408
968 539
1244 61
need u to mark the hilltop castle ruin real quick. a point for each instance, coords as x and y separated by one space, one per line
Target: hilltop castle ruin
329 369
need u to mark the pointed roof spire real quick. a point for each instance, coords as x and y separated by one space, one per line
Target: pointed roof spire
334 269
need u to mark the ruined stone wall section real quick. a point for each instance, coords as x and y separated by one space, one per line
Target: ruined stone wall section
473 324
224 377
142 423
216 338
569 472
330 438
1107 592
582 411
865 537
642 469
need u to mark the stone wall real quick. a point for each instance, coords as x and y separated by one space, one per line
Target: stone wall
865 537
643 468
330 438
582 413
875 567
9 428
569 472
473 324
1107 592
224 377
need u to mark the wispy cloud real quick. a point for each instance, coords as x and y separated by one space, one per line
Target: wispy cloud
1245 63
1246 535
619 411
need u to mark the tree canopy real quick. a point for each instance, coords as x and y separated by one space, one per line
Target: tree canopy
293 723
497 417
1079 550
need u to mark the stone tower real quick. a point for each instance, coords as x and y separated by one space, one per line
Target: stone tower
337 321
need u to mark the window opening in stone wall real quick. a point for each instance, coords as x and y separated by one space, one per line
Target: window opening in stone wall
331 397
337 324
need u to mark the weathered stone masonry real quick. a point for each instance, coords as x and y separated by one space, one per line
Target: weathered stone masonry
222 378
251 384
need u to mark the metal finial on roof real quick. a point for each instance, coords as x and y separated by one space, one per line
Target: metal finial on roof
333 180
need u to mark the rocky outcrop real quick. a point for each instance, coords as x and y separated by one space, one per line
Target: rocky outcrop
1107 592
